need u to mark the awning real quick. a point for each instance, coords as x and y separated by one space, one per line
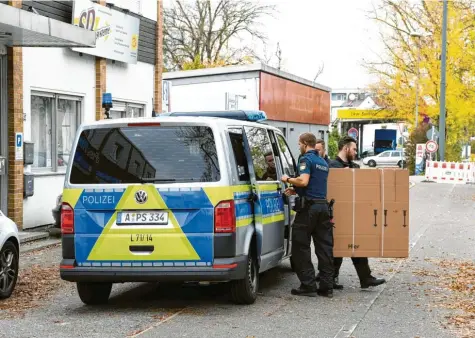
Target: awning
20 28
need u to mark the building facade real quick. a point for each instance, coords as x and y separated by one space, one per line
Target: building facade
293 104
52 90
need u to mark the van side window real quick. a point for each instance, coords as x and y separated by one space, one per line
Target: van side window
262 154
287 160
237 143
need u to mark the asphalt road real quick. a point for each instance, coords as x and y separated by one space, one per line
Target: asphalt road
441 227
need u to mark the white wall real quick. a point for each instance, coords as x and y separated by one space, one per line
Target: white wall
60 70
293 131
131 83
212 95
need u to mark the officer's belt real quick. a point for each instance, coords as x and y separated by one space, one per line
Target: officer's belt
311 201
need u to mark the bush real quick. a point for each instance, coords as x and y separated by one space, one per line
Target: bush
333 139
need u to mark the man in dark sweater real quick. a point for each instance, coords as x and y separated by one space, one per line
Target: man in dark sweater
346 156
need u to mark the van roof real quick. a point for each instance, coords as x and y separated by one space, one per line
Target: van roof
218 121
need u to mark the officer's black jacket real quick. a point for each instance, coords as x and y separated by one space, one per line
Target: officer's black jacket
339 163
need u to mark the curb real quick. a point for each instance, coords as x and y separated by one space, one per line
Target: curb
26 237
38 245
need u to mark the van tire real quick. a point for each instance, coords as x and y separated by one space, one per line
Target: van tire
244 291
94 293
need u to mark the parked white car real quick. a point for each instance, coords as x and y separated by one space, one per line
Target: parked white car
386 158
9 256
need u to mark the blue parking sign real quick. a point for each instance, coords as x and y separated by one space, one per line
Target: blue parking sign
18 146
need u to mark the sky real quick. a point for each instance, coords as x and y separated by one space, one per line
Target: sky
335 32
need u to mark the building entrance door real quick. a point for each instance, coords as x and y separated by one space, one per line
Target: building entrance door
3 133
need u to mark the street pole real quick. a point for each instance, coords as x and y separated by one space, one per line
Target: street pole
442 82
417 81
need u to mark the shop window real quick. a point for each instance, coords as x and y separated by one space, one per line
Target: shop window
54 122
125 109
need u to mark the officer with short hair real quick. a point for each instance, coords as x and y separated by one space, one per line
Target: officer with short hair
312 221
320 147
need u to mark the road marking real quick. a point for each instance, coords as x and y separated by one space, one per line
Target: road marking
346 333
157 324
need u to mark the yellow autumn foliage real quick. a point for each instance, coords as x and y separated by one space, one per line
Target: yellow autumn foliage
221 62
408 58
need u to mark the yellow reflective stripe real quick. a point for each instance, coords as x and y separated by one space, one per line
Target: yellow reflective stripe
71 196
244 222
272 219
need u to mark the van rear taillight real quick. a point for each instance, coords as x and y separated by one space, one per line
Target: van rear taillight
224 217
67 219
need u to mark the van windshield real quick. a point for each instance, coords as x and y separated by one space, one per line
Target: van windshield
145 154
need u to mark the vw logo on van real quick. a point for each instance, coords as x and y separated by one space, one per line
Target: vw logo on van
141 197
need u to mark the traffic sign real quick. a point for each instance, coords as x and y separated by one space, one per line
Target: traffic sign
353 132
431 146
432 134
18 146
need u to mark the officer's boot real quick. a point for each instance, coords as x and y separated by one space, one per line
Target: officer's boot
336 285
303 290
366 279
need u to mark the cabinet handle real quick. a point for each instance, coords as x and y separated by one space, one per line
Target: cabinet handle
405 214
375 215
385 220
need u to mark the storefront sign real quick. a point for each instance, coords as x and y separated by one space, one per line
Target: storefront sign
366 114
117 34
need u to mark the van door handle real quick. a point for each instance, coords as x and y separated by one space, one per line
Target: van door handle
252 197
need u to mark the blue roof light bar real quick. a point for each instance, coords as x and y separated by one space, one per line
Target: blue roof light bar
243 115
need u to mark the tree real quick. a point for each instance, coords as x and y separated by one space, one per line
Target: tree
205 34
333 140
409 57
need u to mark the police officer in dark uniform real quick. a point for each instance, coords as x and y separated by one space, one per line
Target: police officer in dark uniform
312 221
345 158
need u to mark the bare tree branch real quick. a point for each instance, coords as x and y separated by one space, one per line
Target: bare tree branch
320 70
211 30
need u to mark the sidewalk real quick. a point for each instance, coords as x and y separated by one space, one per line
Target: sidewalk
35 240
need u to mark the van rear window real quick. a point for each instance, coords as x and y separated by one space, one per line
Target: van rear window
148 154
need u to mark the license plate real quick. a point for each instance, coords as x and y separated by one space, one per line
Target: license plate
142 218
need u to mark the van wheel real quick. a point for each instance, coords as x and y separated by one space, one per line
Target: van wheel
372 163
8 269
94 293
244 291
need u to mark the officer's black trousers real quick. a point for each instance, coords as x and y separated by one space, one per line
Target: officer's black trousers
315 223
361 266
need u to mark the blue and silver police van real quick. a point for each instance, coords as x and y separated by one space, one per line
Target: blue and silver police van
182 197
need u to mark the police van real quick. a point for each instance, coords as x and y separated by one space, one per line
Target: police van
182 197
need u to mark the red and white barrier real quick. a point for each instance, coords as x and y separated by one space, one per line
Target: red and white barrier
450 172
